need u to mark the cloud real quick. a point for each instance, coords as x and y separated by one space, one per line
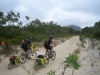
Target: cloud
7 5
88 6
64 12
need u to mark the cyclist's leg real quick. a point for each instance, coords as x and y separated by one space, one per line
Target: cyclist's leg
28 54
50 51
46 49
26 51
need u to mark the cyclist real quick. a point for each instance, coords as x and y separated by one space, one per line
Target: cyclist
26 44
3 44
47 44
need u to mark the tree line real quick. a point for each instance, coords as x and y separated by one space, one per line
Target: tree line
92 32
13 31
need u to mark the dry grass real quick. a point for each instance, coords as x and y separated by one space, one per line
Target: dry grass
38 44
0 59
99 48
77 51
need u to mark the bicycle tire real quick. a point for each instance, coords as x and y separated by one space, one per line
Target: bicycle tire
47 59
53 55
33 55
10 65
36 67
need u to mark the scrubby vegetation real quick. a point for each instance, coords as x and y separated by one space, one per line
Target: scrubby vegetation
71 60
12 30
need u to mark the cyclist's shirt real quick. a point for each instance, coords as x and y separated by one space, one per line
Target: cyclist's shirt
27 42
48 42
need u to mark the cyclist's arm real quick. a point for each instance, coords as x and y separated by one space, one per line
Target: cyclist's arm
54 43
29 44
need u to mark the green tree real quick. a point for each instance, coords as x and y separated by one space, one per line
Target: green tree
2 19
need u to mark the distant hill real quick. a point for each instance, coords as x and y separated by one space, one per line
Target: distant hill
77 28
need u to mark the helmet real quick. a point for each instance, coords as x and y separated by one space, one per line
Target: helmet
51 36
30 38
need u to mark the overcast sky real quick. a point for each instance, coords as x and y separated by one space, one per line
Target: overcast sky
82 13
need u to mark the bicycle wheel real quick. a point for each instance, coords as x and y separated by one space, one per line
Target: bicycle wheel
33 55
47 59
36 67
53 55
37 64
10 65
22 58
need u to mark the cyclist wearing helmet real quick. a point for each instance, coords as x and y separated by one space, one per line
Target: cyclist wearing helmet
26 44
47 44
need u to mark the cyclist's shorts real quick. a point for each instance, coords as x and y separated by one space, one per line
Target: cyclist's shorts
25 48
48 47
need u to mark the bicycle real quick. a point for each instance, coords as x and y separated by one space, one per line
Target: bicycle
53 54
40 61
32 54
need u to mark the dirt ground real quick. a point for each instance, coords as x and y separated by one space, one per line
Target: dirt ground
89 60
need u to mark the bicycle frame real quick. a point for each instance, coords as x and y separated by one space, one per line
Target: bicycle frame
48 51
53 54
32 54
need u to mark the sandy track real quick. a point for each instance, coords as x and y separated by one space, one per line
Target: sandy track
62 51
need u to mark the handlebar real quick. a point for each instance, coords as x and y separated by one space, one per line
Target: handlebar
53 46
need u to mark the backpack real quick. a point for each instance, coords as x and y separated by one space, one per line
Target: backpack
40 56
46 42
25 44
12 59
28 42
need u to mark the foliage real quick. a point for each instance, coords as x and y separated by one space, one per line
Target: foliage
82 40
99 48
73 60
12 30
92 32
51 72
